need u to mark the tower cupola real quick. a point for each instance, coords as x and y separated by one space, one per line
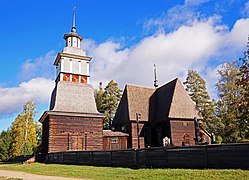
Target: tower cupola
73 39
72 64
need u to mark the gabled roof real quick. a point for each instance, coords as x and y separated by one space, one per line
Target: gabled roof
169 101
135 99
162 101
173 101
182 106
139 101
122 114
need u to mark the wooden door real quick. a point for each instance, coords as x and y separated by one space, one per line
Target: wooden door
114 143
77 143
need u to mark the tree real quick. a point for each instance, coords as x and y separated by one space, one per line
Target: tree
24 131
228 110
107 101
99 98
38 129
243 86
196 87
5 145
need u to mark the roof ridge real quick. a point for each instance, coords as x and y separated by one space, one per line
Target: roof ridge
139 86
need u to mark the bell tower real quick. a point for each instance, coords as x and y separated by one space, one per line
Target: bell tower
72 64
72 122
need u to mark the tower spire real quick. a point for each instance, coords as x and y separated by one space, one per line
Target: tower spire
155 81
73 20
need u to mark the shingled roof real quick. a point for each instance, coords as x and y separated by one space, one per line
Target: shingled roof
135 99
173 101
73 97
139 101
182 106
110 133
168 101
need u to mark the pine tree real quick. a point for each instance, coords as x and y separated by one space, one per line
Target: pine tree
24 131
111 98
5 145
228 102
196 87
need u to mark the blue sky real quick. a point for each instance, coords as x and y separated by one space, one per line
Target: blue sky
125 39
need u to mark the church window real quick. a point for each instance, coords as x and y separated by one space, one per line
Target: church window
114 140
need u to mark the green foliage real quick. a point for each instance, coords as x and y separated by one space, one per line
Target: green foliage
24 131
243 86
196 87
106 173
107 101
38 129
5 145
233 103
228 93
99 98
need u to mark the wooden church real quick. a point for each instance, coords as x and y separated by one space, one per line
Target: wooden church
145 117
159 116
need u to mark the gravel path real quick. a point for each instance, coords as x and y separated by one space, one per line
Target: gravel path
28 176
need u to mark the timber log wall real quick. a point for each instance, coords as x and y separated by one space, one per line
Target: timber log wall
208 156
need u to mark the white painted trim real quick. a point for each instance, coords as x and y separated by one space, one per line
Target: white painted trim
79 64
70 65
88 80
61 76
87 68
62 64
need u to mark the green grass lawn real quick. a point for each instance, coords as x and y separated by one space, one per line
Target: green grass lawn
91 172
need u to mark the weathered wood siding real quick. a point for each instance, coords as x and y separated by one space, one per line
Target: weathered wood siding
45 135
208 156
109 144
182 132
69 133
134 137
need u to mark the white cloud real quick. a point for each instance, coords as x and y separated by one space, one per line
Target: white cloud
37 89
178 15
107 58
195 2
173 53
238 35
39 67
188 47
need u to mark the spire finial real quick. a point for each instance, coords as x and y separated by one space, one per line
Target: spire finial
73 20
155 81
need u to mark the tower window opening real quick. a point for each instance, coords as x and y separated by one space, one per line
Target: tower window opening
83 79
75 78
66 77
